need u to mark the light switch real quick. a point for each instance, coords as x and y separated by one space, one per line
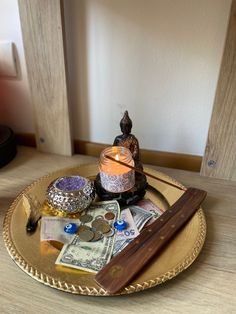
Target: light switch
7 60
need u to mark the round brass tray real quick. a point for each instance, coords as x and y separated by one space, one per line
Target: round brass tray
37 258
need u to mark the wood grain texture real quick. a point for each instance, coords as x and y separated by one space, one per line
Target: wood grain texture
41 24
163 159
208 286
220 155
130 261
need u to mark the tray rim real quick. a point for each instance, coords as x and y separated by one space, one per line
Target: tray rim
93 291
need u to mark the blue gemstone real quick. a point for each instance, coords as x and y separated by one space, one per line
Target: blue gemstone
71 228
120 225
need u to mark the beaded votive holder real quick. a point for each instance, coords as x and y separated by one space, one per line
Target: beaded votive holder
70 194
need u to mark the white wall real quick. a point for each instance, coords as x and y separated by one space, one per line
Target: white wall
15 106
159 59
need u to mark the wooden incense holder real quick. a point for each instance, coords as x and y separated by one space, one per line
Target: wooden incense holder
125 266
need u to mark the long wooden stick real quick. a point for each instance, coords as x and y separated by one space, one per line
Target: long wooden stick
144 172
124 266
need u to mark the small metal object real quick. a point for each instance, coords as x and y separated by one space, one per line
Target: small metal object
109 234
83 228
97 222
211 163
98 217
86 235
109 215
86 218
103 227
97 236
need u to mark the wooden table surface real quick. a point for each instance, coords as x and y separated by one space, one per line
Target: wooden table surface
207 286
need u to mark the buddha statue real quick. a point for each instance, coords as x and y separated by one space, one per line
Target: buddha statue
128 140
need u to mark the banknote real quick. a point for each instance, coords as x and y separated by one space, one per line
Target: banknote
91 256
52 229
148 205
140 217
131 231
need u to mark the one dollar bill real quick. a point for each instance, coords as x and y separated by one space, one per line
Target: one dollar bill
90 256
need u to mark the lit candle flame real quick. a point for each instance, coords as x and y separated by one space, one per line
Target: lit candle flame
117 157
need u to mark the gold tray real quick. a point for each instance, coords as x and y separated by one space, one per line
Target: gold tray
37 258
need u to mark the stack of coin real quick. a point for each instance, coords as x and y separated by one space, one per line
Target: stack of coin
101 225
99 228
85 235
104 227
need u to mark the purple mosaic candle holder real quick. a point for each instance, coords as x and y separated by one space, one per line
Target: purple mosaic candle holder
70 194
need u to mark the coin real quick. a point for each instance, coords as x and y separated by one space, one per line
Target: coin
98 222
86 235
99 217
86 218
109 215
104 227
109 234
83 228
97 236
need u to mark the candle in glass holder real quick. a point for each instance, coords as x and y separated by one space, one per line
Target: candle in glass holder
115 177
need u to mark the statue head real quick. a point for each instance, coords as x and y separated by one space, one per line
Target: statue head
126 124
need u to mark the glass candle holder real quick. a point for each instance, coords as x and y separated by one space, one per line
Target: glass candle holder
115 177
70 194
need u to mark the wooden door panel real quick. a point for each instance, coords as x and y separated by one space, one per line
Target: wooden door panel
220 155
